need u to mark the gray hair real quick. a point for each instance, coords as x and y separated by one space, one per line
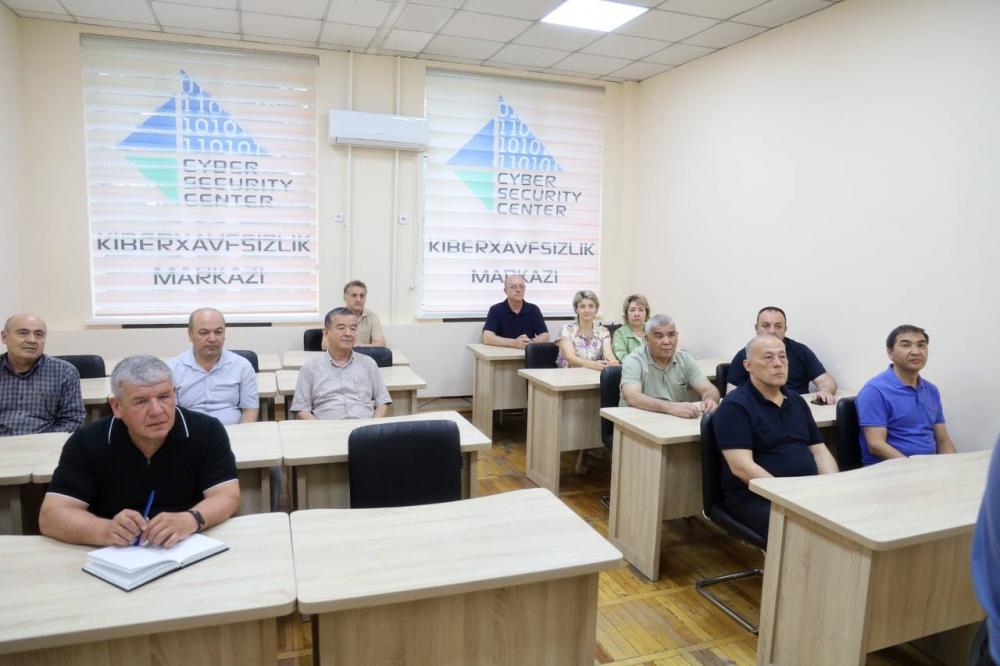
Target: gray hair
200 310
657 321
138 371
339 311
760 337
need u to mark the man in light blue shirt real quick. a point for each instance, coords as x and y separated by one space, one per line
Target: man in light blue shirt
211 380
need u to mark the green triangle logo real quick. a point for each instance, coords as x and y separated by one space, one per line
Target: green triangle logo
480 182
162 171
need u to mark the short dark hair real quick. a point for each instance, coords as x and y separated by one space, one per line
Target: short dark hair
890 341
771 308
355 283
340 311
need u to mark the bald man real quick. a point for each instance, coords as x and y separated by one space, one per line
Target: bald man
38 393
211 380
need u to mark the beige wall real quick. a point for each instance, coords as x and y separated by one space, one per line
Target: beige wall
845 168
12 206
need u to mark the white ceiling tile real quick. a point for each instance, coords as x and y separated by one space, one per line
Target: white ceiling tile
668 26
548 35
359 12
720 9
724 34
614 79
451 4
485 26
203 18
200 33
517 54
307 9
129 11
304 43
423 18
678 54
525 9
127 25
346 35
406 40
217 4
566 72
774 13
46 6
638 71
281 27
462 47
591 64
642 3
45 16
444 58
623 46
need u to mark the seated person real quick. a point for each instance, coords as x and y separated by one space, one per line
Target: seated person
108 468
585 344
656 377
763 429
514 322
340 384
369 326
210 379
631 335
38 393
899 411
803 365
986 555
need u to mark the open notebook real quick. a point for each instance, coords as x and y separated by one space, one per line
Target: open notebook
131 566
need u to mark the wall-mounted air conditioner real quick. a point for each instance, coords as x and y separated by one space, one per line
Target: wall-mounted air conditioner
378 130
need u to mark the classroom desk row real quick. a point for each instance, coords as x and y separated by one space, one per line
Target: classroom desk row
315 452
289 360
504 579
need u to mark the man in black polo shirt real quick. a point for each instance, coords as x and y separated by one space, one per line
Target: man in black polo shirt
108 469
763 430
803 366
514 322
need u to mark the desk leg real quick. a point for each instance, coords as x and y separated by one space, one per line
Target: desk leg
482 396
403 403
470 475
10 510
323 486
544 426
255 491
551 622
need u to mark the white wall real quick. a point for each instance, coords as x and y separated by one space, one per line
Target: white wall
845 168
12 207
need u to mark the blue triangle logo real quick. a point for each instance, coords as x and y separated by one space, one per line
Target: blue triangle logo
519 148
159 131
477 151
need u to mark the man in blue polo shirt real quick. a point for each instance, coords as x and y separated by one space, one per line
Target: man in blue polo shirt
899 411
514 322
803 366
763 429
986 554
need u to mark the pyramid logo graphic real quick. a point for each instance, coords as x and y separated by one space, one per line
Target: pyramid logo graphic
189 122
505 142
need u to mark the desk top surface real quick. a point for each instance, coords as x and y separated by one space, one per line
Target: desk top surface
396 378
294 359
95 390
386 556
21 455
49 601
895 503
267 362
578 379
492 353
319 442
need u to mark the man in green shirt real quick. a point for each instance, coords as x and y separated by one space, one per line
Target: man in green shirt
656 377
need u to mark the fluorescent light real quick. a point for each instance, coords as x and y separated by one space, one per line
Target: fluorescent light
593 14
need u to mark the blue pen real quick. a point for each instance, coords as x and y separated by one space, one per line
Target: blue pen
145 514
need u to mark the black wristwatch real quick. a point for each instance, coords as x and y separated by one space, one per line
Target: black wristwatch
199 518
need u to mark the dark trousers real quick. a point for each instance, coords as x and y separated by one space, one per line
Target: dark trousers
752 510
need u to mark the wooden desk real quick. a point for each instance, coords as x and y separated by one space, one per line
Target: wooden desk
401 381
19 456
317 453
267 392
268 362
495 383
656 476
504 579
293 360
865 559
219 611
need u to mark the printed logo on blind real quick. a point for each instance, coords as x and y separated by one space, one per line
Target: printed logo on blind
511 171
197 154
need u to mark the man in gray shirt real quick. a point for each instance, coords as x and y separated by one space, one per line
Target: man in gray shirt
340 384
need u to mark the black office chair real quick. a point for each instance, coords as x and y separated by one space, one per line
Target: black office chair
979 652
248 355
381 355
90 366
612 328
404 463
541 355
721 371
715 511
611 380
848 435
312 339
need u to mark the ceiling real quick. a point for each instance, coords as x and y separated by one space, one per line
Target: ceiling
499 33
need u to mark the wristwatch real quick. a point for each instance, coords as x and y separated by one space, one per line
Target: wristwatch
199 518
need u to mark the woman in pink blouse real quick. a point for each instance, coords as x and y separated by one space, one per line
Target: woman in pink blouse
585 344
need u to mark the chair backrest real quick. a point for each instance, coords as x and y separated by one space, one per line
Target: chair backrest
848 435
381 355
541 355
711 467
404 463
248 355
611 380
312 339
721 371
89 366
612 328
